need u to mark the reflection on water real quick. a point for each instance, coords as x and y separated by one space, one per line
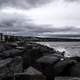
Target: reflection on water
70 48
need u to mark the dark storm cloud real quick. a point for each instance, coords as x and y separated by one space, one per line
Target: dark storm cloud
12 30
65 31
51 31
22 26
45 29
8 23
14 23
23 3
72 0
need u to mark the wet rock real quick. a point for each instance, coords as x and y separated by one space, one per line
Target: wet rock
46 65
63 68
30 74
34 51
75 70
77 58
12 52
10 66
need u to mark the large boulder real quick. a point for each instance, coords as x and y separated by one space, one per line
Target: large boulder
30 74
12 52
63 68
75 70
34 51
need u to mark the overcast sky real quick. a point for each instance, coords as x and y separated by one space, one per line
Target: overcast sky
40 17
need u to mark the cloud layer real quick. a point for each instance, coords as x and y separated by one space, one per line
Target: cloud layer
40 17
22 3
19 25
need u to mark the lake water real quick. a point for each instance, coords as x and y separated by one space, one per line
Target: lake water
70 48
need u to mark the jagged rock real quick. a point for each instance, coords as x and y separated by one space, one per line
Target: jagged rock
41 48
62 68
46 64
49 59
77 58
10 66
4 69
30 74
75 70
67 78
32 71
12 52
7 46
33 51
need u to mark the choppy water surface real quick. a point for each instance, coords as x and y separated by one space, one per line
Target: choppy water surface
70 48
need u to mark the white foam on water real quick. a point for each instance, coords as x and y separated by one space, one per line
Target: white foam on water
70 48
61 49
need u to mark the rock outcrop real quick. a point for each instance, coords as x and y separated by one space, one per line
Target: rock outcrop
44 59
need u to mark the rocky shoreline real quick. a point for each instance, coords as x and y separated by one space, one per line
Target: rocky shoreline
17 57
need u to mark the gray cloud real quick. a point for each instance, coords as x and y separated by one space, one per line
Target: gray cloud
23 3
72 0
14 23
22 26
65 31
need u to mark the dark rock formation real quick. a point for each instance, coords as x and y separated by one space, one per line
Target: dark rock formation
34 51
75 70
47 60
10 66
30 74
77 58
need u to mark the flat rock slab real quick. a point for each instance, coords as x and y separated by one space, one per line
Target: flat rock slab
67 78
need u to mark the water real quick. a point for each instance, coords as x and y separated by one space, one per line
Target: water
70 48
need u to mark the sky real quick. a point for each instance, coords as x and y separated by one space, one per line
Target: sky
40 17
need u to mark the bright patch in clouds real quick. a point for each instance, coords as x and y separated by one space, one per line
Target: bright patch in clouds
58 14
10 10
